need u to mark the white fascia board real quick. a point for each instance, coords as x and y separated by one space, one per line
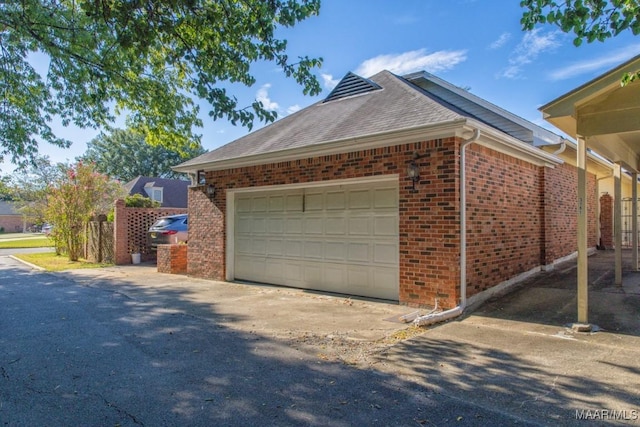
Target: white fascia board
506 144
378 140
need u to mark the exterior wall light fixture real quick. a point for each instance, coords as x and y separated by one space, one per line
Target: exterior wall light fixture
211 191
413 173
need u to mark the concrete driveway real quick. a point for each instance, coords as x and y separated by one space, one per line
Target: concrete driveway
234 353
517 354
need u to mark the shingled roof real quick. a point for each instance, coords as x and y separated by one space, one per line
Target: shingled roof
355 109
174 193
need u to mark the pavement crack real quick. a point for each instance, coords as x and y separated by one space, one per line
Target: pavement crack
122 411
541 395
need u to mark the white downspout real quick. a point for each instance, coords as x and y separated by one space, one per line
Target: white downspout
430 319
563 146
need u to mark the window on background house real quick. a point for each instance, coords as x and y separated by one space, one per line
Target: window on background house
156 194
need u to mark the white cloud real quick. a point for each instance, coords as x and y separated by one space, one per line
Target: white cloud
532 45
415 60
292 109
329 81
610 60
263 96
501 41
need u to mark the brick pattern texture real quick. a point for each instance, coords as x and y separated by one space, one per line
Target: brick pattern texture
11 223
606 221
172 259
561 202
130 230
508 220
206 255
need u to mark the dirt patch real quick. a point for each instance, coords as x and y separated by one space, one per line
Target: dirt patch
342 347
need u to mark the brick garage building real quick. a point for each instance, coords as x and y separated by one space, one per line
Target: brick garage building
361 194
11 221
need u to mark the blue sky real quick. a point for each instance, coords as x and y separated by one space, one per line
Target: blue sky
475 44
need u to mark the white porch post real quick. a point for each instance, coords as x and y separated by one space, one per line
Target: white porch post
634 218
617 221
583 289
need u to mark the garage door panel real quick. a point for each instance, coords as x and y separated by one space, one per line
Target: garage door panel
335 238
336 200
336 226
293 249
314 249
313 225
259 225
358 252
358 278
359 225
276 204
385 225
259 204
275 225
335 251
313 202
294 203
359 199
385 198
293 225
275 247
385 253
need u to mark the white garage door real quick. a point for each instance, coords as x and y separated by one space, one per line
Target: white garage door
339 238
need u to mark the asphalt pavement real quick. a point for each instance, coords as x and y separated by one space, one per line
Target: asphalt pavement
130 346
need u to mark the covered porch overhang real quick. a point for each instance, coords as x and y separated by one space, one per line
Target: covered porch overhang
603 117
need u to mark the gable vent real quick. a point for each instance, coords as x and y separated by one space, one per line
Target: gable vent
351 85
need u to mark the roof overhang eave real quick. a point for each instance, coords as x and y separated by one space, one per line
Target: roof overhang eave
377 140
491 138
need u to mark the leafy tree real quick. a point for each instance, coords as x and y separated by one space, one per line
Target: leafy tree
6 192
145 59
72 200
28 186
124 155
588 20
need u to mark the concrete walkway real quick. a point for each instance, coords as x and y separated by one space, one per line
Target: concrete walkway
517 354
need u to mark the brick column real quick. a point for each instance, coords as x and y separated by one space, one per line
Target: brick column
606 221
206 254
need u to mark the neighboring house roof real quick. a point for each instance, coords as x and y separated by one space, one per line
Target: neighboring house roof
174 191
368 108
7 208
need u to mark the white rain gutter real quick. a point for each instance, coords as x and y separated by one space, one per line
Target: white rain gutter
430 319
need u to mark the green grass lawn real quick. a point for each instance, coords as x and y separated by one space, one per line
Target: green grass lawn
30 241
52 262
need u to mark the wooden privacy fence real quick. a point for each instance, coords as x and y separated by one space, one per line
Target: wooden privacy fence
99 241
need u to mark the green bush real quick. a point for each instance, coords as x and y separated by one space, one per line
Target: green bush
140 201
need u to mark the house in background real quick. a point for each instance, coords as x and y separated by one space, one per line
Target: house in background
11 221
171 193
402 188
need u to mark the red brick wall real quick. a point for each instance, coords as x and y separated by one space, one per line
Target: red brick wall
606 221
506 234
561 206
206 255
130 230
172 259
504 218
429 237
11 223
